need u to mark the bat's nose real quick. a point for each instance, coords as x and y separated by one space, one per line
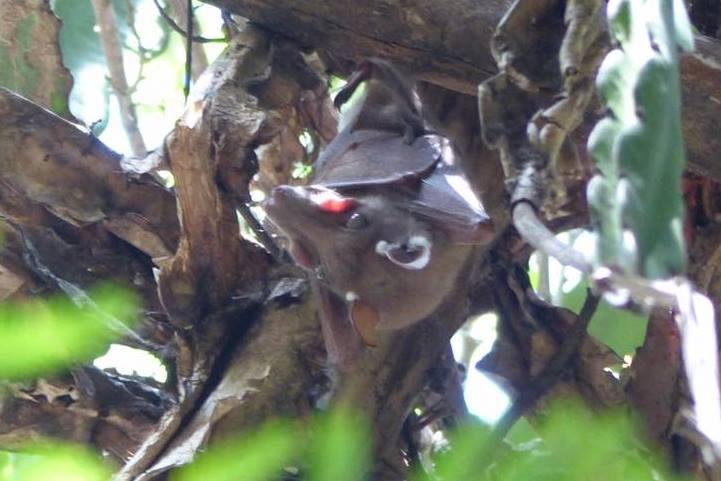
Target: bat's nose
283 195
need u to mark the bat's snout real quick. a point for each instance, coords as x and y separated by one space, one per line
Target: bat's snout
285 199
286 193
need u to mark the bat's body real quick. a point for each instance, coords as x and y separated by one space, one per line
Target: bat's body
387 222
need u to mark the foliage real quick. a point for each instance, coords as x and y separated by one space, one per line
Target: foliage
332 446
621 330
37 336
340 439
82 53
638 147
255 457
567 451
154 63
53 462
337 448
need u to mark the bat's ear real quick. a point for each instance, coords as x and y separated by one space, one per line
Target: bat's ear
478 233
414 254
362 74
447 201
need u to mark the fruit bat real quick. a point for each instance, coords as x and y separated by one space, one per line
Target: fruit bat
387 221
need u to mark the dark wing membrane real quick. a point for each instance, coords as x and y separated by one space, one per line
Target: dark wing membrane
371 158
447 201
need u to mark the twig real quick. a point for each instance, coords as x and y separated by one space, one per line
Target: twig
188 48
544 280
694 315
641 291
144 54
177 28
110 39
179 11
537 234
540 384
260 233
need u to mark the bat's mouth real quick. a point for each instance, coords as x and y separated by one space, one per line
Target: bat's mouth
302 256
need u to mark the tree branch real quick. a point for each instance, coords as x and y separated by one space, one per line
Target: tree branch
183 13
110 40
551 373
447 43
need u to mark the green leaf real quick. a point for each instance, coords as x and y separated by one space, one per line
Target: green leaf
522 433
577 444
611 449
54 462
251 457
83 56
619 19
340 447
38 337
467 455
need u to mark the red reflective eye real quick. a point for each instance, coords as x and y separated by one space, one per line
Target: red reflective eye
333 203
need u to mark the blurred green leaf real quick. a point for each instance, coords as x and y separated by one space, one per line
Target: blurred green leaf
340 447
54 462
571 444
37 337
465 459
577 444
79 42
252 457
83 56
612 449
6 460
521 433
301 170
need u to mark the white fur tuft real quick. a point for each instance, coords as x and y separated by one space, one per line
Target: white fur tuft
425 258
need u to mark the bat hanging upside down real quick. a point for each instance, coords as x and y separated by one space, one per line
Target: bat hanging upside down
387 222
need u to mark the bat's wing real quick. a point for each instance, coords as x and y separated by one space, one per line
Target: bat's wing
418 176
446 200
367 158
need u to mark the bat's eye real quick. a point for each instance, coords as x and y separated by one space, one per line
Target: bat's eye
414 254
357 221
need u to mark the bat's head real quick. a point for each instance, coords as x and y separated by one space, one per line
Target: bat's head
390 266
